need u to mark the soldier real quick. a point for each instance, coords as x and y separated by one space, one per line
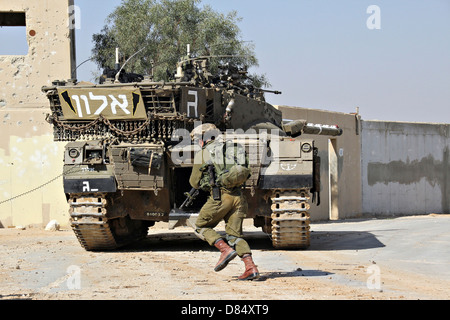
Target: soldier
227 204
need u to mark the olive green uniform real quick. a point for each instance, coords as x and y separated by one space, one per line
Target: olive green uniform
232 208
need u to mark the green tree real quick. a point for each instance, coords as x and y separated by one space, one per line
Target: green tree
161 30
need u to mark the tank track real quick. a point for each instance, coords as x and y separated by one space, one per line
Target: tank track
290 219
95 231
89 222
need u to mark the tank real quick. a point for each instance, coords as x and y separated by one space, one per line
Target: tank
128 156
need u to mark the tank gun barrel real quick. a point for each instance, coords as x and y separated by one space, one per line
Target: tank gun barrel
297 127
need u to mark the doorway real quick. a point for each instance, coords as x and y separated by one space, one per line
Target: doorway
333 180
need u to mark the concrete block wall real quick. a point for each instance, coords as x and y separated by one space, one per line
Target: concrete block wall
405 168
346 151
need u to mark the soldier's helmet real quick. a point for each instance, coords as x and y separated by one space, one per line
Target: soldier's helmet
205 132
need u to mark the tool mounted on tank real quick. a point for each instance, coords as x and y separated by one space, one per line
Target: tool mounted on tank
297 127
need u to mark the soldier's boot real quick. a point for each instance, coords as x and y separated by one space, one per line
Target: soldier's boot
227 254
251 271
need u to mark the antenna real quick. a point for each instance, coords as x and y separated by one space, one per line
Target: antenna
74 71
117 66
118 73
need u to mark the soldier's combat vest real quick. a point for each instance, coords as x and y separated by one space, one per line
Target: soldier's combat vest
230 163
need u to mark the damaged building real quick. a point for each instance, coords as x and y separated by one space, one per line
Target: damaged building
28 156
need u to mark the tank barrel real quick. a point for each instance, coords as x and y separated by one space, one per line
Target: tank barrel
297 127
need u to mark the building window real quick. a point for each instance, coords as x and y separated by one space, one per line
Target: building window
13 33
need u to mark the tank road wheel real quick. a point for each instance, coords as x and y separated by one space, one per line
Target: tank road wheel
95 231
290 219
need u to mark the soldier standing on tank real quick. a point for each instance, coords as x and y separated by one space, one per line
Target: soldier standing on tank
232 208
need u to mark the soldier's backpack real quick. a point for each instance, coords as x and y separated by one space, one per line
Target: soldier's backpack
230 163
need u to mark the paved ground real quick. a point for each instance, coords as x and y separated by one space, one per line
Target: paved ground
399 258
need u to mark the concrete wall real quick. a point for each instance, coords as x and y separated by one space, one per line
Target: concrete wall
345 195
405 168
28 156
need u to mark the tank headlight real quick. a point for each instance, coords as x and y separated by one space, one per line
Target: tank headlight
74 153
306 147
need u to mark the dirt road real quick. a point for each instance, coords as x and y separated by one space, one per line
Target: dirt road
402 258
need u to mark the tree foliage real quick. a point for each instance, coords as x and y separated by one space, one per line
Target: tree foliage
161 30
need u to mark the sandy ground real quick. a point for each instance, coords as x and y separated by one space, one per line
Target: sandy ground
401 258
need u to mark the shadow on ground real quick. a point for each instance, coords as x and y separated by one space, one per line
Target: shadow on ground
320 240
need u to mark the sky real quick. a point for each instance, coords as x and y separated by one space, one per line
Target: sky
391 62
